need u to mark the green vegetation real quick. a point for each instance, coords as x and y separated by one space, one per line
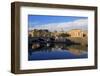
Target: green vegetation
64 35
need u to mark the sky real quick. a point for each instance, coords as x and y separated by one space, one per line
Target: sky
57 23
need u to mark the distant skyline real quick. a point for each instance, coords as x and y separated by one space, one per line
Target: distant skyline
57 23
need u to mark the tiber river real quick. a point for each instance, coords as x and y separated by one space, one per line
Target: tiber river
50 51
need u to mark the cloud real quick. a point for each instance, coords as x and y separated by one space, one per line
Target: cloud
65 26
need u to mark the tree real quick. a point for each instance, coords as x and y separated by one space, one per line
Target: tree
64 35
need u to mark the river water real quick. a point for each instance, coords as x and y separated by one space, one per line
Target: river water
52 51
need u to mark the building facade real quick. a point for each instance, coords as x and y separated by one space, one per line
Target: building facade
77 33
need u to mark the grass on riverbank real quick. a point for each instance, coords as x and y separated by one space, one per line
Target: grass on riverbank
82 41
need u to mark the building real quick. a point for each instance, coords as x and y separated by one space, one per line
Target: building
30 33
39 33
77 33
57 35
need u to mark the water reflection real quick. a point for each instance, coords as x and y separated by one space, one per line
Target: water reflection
50 47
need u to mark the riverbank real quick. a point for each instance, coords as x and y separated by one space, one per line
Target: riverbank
82 41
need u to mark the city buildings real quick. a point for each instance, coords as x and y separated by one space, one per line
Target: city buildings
46 33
